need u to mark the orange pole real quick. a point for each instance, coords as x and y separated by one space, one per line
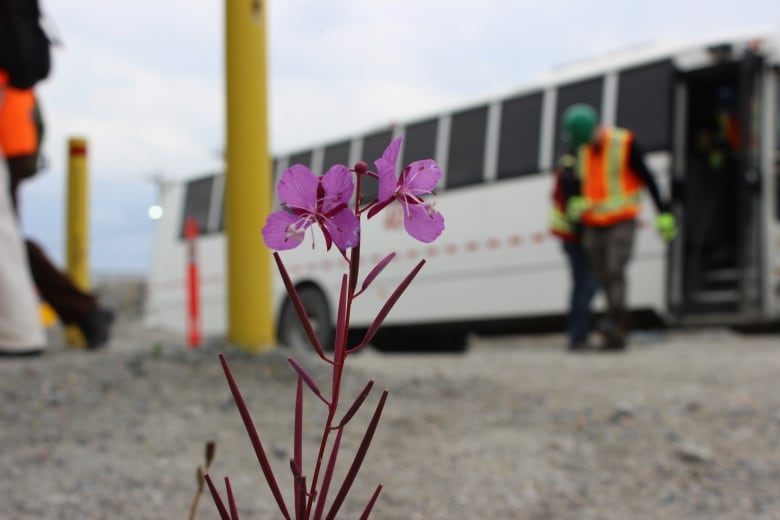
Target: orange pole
194 333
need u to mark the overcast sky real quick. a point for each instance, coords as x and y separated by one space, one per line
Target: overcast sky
143 82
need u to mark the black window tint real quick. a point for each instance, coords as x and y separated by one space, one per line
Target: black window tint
518 152
373 147
197 202
303 158
644 104
467 147
336 154
589 92
420 141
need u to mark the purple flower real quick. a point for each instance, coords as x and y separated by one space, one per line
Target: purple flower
307 199
421 219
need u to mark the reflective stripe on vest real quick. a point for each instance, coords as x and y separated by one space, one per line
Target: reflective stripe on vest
610 187
560 225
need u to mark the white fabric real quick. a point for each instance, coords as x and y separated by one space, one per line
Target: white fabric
20 324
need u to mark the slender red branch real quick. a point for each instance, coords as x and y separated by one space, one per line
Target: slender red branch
370 505
223 514
387 307
297 462
303 374
328 477
378 268
231 500
358 460
299 308
254 436
356 405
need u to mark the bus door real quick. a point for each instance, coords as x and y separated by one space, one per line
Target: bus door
716 261
749 186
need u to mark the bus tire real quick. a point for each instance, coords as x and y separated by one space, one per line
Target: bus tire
291 332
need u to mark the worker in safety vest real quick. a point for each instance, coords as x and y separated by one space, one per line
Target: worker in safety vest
21 333
612 172
583 282
21 130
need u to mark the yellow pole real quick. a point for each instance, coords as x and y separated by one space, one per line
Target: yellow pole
77 225
248 178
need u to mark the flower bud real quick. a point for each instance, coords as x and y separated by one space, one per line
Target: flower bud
361 167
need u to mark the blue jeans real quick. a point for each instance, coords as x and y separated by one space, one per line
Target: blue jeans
583 288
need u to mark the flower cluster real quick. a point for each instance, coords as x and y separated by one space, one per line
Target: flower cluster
308 199
325 201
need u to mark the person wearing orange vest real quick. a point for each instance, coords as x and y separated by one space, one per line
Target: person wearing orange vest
20 137
583 283
21 332
613 173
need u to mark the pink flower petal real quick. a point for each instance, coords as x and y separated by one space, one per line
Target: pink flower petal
298 188
338 185
276 231
344 229
386 170
421 177
420 224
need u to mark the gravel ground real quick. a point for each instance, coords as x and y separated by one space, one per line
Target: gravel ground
685 425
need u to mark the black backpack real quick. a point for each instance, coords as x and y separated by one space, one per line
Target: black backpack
24 45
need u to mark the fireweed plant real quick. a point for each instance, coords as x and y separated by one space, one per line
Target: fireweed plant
310 201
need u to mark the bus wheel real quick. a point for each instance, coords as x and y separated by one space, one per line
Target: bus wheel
291 331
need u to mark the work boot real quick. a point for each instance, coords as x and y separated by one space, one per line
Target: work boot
613 330
96 328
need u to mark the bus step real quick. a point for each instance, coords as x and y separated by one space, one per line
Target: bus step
721 296
721 275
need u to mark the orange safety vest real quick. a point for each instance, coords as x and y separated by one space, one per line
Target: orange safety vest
18 131
610 187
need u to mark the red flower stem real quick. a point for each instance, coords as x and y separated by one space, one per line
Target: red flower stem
356 404
231 501
345 305
328 477
296 301
254 437
313 495
298 449
223 514
371 503
387 307
358 460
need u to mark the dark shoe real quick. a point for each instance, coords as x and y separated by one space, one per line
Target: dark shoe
614 344
579 347
26 353
97 327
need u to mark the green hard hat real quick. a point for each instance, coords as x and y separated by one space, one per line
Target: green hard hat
579 122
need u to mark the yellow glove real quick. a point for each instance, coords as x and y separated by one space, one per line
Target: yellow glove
666 225
576 207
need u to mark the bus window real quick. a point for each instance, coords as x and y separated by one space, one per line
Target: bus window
466 155
197 203
337 153
420 141
373 147
303 158
644 104
518 152
587 91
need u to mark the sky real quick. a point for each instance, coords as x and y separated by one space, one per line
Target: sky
143 82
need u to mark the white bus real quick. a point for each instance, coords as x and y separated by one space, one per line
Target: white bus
496 267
